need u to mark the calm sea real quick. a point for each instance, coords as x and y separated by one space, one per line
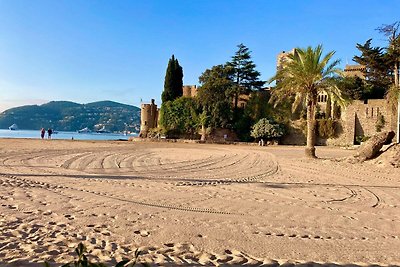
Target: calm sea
64 135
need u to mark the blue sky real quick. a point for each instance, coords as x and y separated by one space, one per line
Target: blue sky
85 51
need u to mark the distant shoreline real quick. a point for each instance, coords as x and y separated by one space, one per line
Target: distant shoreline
64 135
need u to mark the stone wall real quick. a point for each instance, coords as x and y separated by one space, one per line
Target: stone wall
361 117
358 119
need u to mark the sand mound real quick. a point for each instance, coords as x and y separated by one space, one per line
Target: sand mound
391 157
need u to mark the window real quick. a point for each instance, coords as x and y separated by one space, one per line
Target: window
372 112
366 112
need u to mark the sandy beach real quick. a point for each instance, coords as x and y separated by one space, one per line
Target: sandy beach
194 204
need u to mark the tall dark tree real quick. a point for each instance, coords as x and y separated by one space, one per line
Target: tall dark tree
393 94
212 95
245 77
354 87
391 31
173 81
378 68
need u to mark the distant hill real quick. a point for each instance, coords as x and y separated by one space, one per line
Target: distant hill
70 116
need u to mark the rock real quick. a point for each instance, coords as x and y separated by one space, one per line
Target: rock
370 148
391 157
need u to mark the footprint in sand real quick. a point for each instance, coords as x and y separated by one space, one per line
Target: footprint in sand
69 217
47 212
142 233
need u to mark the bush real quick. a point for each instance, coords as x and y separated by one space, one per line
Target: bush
156 132
266 129
361 138
326 128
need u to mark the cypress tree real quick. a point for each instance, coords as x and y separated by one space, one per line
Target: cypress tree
173 81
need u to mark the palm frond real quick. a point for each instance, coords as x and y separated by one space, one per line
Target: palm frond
306 73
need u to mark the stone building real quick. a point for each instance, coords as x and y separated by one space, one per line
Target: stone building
189 91
148 118
149 113
361 118
355 71
282 58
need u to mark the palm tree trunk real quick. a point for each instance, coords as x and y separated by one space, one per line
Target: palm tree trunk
203 133
310 149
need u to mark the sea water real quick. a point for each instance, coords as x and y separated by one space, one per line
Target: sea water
64 135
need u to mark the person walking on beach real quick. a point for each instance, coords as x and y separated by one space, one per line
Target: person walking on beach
49 132
42 132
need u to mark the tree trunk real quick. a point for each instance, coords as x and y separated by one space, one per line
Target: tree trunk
203 133
396 84
236 100
310 149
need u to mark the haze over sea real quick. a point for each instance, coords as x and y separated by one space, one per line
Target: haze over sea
35 134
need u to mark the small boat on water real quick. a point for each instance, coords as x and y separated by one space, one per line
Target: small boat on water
13 127
84 130
103 130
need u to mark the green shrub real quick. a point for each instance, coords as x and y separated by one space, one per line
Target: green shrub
156 132
361 138
326 128
266 129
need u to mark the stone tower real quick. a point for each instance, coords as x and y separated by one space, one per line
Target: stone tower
148 118
189 90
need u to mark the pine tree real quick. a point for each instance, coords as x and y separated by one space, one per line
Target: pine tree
245 77
377 68
173 81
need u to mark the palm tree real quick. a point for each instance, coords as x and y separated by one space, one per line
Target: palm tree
305 74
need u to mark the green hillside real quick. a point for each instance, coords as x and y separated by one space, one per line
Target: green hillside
70 116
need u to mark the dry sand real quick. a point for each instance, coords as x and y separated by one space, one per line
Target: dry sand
194 204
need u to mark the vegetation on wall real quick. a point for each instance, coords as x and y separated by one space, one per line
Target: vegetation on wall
326 128
180 117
